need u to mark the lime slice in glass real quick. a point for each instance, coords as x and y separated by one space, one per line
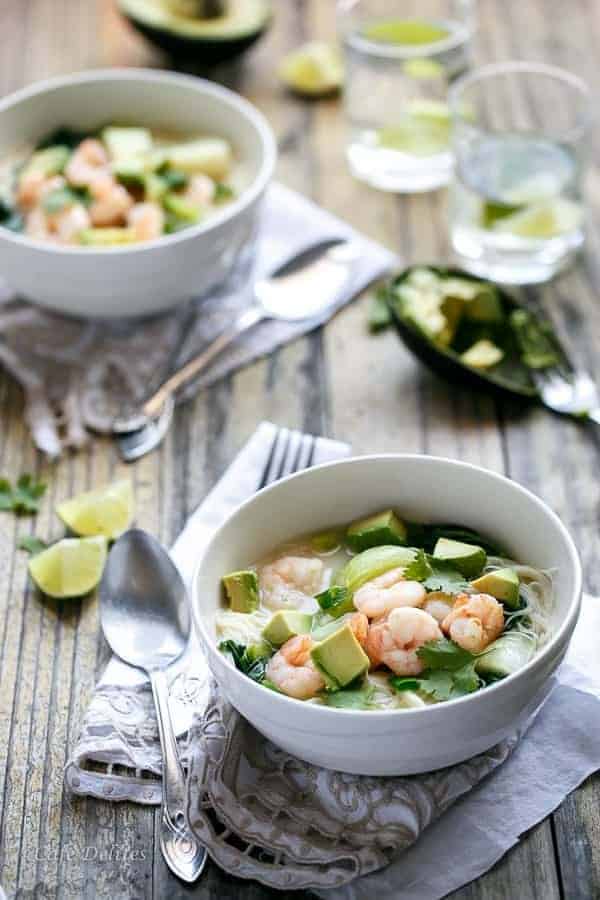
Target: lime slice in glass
71 568
408 32
423 130
108 511
542 220
423 69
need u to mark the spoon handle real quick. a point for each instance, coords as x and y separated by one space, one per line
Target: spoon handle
182 853
250 317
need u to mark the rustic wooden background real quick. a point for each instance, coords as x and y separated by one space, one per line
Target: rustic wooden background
339 382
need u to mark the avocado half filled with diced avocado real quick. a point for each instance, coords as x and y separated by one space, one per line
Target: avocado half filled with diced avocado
191 30
468 342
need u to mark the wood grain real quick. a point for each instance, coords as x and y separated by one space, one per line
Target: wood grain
368 391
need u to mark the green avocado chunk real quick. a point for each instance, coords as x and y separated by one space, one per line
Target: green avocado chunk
242 590
179 207
503 584
124 144
373 562
336 601
508 654
285 624
483 354
340 658
381 528
467 558
107 237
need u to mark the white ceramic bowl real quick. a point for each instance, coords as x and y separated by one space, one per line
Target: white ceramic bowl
153 276
422 488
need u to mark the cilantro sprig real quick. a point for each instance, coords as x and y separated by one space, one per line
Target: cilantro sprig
243 659
435 574
24 498
449 672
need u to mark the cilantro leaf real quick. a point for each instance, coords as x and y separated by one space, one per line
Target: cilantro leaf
351 698
442 684
405 684
23 499
419 569
252 666
444 654
444 576
32 544
222 192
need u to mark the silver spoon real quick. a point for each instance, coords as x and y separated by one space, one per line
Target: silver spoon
303 289
146 620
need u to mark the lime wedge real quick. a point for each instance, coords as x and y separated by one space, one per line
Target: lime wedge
423 69
70 568
410 32
423 130
315 69
542 220
491 212
106 512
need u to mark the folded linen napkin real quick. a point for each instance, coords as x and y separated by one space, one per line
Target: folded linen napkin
81 374
263 814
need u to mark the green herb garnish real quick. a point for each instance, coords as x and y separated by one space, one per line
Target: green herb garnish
252 666
32 544
222 192
24 499
449 673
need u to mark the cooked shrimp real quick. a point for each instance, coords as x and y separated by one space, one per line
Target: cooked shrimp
67 223
87 164
200 190
394 641
147 220
360 627
386 592
475 621
112 206
290 580
36 224
29 189
293 671
438 604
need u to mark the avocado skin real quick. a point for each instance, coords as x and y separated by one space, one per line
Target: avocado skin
445 365
209 51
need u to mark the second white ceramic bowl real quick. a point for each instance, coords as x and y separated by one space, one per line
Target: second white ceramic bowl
422 488
145 278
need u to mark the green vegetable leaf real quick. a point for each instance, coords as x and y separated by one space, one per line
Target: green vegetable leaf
252 666
222 192
427 536
444 654
405 684
379 317
351 698
442 684
443 576
32 544
23 499
175 179
333 598
419 569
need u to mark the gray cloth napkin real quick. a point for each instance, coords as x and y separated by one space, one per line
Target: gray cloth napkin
265 815
79 375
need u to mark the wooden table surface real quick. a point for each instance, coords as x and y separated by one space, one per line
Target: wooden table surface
340 382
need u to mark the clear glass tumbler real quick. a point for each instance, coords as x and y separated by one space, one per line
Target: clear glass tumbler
400 57
516 207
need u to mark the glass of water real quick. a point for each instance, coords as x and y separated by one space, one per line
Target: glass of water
400 57
516 207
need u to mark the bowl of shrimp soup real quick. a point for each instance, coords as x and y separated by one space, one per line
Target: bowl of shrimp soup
354 627
124 192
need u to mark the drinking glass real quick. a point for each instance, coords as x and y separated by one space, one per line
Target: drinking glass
400 57
516 206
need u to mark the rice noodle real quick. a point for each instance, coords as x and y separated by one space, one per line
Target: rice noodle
536 589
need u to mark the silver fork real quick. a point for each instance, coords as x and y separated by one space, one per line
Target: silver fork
568 391
291 452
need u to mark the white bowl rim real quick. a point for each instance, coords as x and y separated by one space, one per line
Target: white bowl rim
145 75
434 709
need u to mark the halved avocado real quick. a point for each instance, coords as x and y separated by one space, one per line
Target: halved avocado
206 40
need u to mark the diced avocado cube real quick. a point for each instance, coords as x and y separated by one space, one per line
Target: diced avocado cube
336 601
506 655
482 354
242 590
210 156
107 237
485 306
48 162
285 624
381 528
130 172
469 559
373 562
259 650
340 658
179 207
503 584
126 143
